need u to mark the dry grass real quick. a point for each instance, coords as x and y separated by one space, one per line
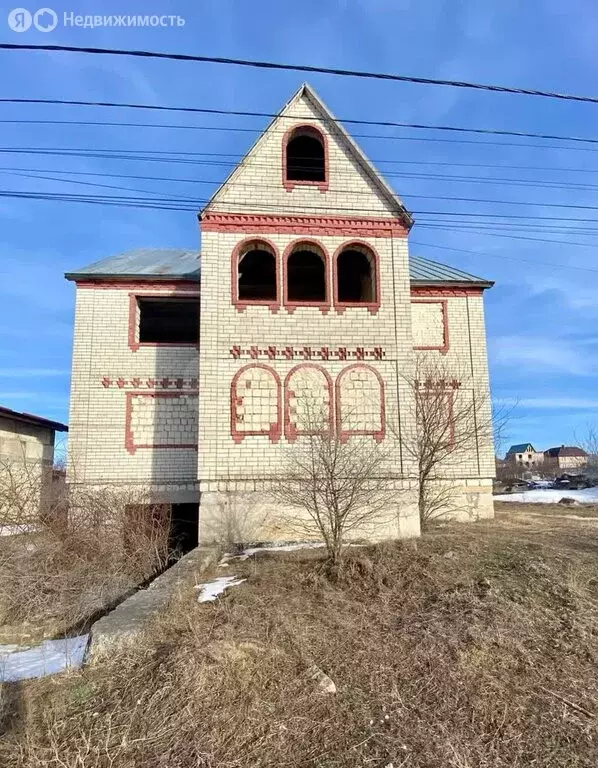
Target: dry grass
58 578
474 648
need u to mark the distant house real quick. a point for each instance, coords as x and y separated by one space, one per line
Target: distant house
26 461
525 455
567 457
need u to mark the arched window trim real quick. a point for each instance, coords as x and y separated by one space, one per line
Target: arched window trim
290 431
297 245
371 306
242 304
344 434
275 431
290 184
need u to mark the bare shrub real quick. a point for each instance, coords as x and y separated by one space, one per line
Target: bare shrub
76 552
330 488
453 420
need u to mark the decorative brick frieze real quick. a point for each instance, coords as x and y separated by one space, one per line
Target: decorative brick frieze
305 352
265 223
149 382
421 291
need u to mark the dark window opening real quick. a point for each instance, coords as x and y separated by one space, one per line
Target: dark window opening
168 321
355 277
306 277
257 275
305 159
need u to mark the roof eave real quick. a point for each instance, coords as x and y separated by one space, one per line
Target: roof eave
483 284
111 277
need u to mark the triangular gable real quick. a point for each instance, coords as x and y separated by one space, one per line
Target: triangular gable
335 131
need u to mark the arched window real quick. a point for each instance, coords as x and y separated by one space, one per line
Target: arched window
255 274
306 279
308 401
305 158
360 405
356 277
255 401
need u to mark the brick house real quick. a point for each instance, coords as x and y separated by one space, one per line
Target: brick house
566 457
26 462
524 455
188 379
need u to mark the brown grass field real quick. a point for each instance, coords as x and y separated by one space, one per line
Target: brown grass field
474 647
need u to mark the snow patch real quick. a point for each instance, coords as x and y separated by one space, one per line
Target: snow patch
48 658
15 530
551 496
213 589
283 547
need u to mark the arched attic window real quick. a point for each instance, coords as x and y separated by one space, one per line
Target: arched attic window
356 278
255 274
305 158
306 276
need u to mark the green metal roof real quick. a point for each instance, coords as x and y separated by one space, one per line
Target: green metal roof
176 264
520 448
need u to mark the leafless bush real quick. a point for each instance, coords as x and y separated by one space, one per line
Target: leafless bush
453 420
330 488
71 553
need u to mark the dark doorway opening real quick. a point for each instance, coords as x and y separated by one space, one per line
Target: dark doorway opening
257 275
184 527
355 278
306 277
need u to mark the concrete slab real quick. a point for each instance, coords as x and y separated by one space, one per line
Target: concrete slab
128 620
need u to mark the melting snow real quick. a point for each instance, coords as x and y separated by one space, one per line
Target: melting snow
551 496
50 657
213 589
283 547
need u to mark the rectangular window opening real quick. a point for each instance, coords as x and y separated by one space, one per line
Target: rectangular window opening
168 320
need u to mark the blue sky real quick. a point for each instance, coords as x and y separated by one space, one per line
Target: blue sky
541 320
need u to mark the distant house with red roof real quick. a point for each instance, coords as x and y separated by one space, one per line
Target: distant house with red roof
567 457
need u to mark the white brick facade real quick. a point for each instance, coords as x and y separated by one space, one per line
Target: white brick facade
135 412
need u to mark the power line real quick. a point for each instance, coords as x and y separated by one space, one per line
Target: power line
271 115
450 198
508 258
301 68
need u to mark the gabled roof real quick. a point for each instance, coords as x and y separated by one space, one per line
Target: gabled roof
353 149
174 264
147 263
563 451
30 418
427 272
520 448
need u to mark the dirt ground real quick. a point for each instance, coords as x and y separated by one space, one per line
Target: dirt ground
473 647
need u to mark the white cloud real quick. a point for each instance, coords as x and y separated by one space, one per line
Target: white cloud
537 354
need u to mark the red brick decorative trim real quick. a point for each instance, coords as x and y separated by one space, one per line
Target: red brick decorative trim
274 431
296 245
444 347
345 434
306 352
186 287
241 304
372 306
418 291
133 333
290 428
265 223
429 389
130 443
174 382
307 129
